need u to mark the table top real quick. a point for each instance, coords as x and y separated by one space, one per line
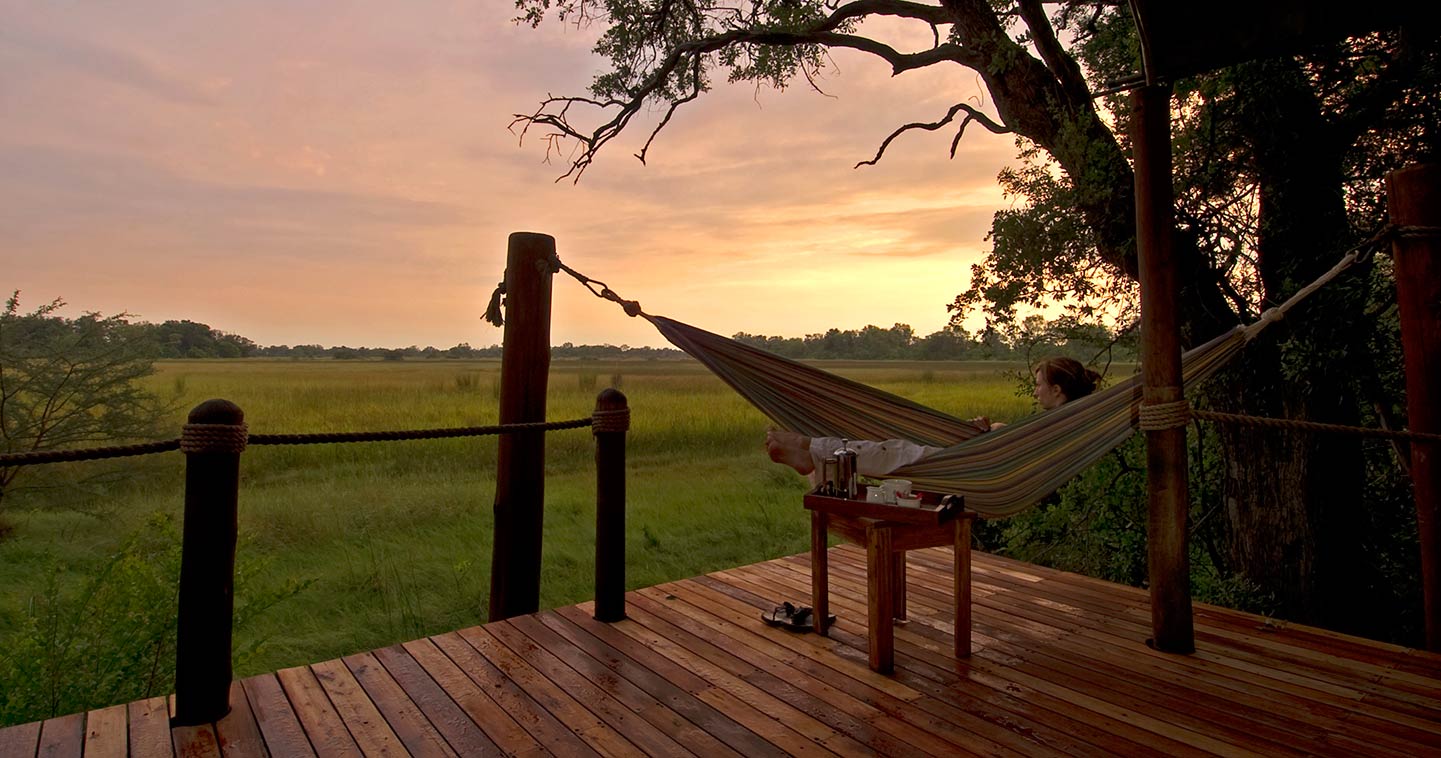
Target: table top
927 514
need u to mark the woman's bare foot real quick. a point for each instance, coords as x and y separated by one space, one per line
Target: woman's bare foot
790 448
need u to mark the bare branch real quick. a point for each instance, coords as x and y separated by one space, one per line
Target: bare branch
554 111
971 115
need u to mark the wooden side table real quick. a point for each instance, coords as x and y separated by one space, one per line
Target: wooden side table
887 532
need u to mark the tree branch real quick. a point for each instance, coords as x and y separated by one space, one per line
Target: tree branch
971 115
1061 64
554 112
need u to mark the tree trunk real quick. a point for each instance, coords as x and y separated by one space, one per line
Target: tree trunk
1292 498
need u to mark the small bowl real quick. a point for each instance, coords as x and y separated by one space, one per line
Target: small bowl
908 501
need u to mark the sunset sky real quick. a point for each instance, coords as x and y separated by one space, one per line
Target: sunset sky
342 173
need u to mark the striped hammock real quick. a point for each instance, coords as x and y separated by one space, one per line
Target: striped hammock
1000 473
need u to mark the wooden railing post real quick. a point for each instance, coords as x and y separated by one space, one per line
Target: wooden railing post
609 424
1166 540
212 442
520 459
1414 200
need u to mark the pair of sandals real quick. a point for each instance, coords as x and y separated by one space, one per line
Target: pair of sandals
796 619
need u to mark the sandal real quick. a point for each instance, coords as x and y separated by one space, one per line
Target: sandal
796 619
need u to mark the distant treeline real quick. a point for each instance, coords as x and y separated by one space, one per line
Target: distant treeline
1023 340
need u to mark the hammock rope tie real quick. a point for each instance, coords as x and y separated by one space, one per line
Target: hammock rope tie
631 307
1361 252
1158 417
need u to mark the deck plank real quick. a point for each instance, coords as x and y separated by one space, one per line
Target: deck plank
276 719
647 695
323 726
62 736
20 741
550 733
396 708
455 727
560 704
105 733
195 741
612 699
676 685
467 689
149 733
236 731
356 710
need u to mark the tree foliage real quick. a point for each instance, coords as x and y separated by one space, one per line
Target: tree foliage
1278 169
72 382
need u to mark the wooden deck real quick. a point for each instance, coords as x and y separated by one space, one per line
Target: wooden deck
1060 669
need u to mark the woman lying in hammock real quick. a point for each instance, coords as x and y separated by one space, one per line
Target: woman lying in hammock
1058 381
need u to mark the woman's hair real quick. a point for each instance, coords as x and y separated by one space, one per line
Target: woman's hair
1075 380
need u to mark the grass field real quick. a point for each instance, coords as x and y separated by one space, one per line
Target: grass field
392 540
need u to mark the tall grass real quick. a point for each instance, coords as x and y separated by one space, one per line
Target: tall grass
394 539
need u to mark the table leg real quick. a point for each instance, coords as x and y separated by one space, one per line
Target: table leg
963 588
820 590
898 594
880 606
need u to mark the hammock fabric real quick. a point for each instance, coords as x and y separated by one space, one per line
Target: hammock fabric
1000 473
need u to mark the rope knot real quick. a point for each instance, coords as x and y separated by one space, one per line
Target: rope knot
1155 417
617 420
213 438
631 307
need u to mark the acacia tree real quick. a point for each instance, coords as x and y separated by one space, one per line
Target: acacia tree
1271 188
71 382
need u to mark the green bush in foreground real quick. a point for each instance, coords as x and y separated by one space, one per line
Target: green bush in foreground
112 639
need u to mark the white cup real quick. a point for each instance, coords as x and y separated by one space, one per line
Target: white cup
875 495
896 488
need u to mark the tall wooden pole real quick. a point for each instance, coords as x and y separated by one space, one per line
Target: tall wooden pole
609 425
520 462
1169 564
212 442
1413 196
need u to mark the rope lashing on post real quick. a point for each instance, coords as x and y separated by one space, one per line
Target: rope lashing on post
617 420
493 312
1156 417
213 438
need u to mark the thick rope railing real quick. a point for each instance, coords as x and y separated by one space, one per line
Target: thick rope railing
205 438
1311 426
88 454
316 438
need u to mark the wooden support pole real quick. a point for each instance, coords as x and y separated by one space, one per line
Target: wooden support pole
1413 197
609 424
212 442
520 460
1169 564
